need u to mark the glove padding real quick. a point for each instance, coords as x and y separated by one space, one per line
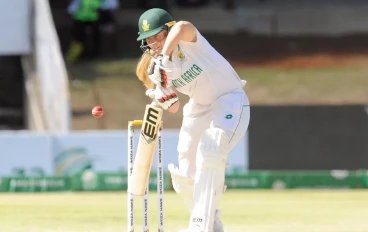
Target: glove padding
165 98
159 72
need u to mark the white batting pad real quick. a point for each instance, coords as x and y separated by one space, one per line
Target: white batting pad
183 185
210 179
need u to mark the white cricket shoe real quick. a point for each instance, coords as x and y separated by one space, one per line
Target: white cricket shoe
218 227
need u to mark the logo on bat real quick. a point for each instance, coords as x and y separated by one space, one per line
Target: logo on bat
149 131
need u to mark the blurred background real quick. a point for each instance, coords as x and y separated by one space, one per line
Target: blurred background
305 62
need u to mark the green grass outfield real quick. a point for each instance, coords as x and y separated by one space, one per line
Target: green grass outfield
243 211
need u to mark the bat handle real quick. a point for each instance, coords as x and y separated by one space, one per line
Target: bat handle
150 93
154 103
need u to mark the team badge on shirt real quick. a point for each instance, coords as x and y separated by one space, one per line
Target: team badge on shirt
181 56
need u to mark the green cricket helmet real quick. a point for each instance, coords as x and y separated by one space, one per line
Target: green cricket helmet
151 23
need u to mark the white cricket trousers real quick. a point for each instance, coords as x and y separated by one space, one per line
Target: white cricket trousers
229 112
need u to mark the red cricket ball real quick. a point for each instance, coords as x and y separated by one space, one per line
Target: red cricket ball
97 112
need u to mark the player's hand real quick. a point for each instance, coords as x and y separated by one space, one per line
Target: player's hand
159 71
165 98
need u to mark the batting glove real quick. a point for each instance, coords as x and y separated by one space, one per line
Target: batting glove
165 98
159 71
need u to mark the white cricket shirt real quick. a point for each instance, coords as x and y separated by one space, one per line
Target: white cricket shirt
202 73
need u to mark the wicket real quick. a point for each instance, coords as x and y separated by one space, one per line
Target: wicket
160 181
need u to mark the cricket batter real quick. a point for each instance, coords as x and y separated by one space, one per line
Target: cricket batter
177 57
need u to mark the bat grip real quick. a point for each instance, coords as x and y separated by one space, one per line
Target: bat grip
154 103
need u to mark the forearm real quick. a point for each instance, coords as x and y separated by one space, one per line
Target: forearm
174 108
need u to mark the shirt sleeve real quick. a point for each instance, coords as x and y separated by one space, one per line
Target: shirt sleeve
201 44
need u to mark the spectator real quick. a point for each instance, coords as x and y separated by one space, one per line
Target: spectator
85 15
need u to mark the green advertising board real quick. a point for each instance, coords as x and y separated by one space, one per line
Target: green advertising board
4 184
39 184
90 180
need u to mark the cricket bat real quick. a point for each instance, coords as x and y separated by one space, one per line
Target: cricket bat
145 150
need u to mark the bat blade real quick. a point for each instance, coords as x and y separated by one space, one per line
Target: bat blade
145 150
